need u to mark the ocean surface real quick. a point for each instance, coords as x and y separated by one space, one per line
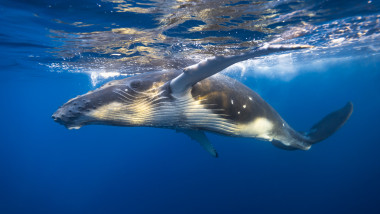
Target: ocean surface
51 51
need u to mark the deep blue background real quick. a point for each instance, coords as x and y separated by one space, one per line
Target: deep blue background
45 168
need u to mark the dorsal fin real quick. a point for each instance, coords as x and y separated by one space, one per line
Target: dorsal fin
211 66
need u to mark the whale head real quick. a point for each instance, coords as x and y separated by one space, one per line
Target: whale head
126 102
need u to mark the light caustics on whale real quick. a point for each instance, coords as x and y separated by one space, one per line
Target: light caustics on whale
196 99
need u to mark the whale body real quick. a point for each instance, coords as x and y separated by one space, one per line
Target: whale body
196 100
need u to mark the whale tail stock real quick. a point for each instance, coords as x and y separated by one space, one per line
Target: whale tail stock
318 132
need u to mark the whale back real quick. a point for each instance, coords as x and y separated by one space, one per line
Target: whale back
232 100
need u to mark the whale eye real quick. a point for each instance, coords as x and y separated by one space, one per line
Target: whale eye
135 84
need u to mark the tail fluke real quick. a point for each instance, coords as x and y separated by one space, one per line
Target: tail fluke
294 140
329 124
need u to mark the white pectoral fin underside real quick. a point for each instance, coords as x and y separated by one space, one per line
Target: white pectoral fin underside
202 139
211 66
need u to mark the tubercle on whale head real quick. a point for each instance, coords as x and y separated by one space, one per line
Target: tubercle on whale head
77 112
73 113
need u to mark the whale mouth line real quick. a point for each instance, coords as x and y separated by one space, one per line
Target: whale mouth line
68 125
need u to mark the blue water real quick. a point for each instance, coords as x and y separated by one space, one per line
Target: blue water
52 51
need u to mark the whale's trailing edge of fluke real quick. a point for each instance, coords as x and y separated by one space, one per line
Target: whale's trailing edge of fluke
330 124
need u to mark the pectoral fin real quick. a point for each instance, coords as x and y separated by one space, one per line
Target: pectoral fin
211 66
202 139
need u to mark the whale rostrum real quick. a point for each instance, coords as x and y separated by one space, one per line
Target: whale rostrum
195 100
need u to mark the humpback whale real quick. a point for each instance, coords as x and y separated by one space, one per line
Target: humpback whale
196 100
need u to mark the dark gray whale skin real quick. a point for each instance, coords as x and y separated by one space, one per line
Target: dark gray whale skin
222 96
195 100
